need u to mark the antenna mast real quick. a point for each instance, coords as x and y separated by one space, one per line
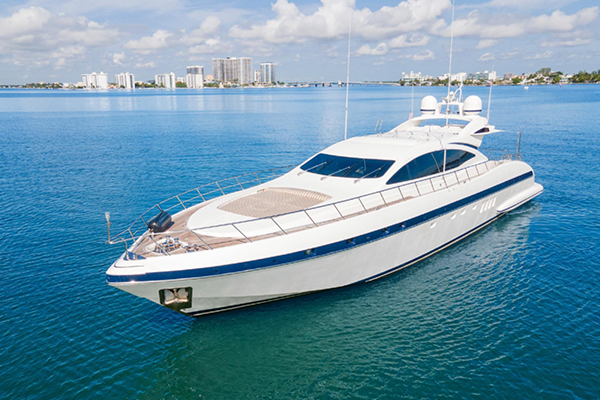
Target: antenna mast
450 66
348 77
451 45
490 96
412 98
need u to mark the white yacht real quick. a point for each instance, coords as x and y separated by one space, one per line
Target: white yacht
359 210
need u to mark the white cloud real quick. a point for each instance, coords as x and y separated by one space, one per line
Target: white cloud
211 46
567 43
34 32
24 40
118 58
510 26
142 64
25 21
111 7
487 57
484 44
411 40
380 50
539 56
61 62
422 56
530 4
209 28
332 52
331 21
474 25
149 44
36 37
69 51
508 55
559 21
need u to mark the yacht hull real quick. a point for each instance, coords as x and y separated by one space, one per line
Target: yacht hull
359 249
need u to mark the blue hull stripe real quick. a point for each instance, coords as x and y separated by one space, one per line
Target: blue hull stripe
318 251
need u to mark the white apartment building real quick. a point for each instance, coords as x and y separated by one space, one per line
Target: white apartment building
460 77
483 76
95 81
245 70
165 80
217 69
194 77
257 75
125 80
232 70
411 77
267 72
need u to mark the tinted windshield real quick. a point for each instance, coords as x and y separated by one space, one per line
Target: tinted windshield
325 164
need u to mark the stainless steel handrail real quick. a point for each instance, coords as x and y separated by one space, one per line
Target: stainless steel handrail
416 193
223 185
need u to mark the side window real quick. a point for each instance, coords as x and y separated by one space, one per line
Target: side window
429 164
425 165
456 158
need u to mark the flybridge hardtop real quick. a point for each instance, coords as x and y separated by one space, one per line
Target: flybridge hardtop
325 223
459 122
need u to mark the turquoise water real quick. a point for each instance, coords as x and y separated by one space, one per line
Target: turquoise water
511 312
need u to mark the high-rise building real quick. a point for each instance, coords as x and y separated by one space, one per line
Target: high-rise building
194 77
95 81
217 69
257 75
232 70
165 80
125 80
267 72
245 70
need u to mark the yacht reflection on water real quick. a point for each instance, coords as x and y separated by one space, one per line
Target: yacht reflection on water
361 209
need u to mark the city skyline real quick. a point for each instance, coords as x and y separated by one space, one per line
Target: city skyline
47 40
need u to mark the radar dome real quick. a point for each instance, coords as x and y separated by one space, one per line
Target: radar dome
428 105
472 105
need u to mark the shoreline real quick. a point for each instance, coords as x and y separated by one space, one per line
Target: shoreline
292 86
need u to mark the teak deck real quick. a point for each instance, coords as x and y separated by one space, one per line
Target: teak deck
197 242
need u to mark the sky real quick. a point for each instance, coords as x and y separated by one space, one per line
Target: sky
57 41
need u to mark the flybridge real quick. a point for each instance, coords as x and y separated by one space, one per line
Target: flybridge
450 120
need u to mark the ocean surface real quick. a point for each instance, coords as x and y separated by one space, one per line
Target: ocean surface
512 312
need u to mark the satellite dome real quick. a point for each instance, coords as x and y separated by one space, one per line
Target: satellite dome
472 105
428 105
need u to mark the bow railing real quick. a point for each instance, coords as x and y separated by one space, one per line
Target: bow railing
195 196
